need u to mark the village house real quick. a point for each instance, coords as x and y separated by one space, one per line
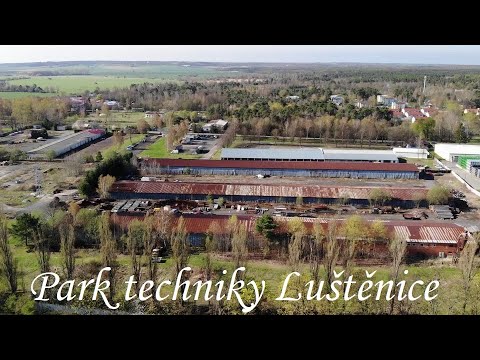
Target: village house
385 100
220 125
151 114
413 114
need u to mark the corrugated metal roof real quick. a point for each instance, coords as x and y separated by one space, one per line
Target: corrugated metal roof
276 153
298 165
413 232
359 155
235 189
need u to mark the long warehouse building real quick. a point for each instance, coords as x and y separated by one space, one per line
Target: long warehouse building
355 195
309 154
333 169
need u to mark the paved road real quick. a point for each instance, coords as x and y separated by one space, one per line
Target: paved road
465 175
212 151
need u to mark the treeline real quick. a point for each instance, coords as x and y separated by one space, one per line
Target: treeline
8 87
28 111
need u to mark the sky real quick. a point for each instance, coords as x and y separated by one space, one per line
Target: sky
408 54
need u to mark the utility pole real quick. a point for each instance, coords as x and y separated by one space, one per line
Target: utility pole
38 181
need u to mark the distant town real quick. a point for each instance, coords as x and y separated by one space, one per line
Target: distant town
310 168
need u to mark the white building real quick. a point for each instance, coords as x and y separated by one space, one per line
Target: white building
336 99
150 114
385 100
398 105
410 153
451 152
219 124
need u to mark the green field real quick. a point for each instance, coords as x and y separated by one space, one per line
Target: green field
159 150
16 95
169 71
80 84
108 152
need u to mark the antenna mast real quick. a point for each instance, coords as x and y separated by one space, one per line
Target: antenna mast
424 83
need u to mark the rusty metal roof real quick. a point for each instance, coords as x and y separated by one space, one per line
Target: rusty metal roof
271 190
297 165
414 232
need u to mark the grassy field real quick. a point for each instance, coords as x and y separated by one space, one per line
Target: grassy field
108 152
17 95
16 197
159 150
129 69
272 272
79 84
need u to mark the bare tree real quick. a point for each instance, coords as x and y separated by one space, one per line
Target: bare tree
353 231
397 248
108 249
331 251
67 246
104 185
180 246
298 232
41 241
118 139
9 263
468 267
135 240
209 249
316 249
239 245
149 240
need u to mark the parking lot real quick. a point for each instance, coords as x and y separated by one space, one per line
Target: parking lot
199 143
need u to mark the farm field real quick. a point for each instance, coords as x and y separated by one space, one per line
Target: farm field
80 84
115 68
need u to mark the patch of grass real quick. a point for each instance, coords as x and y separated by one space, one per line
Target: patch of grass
217 155
425 162
475 140
159 150
16 197
108 152
18 95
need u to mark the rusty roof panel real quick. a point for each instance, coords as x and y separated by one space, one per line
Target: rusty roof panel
271 190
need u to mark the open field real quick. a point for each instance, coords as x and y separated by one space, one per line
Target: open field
140 69
18 95
159 150
80 84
